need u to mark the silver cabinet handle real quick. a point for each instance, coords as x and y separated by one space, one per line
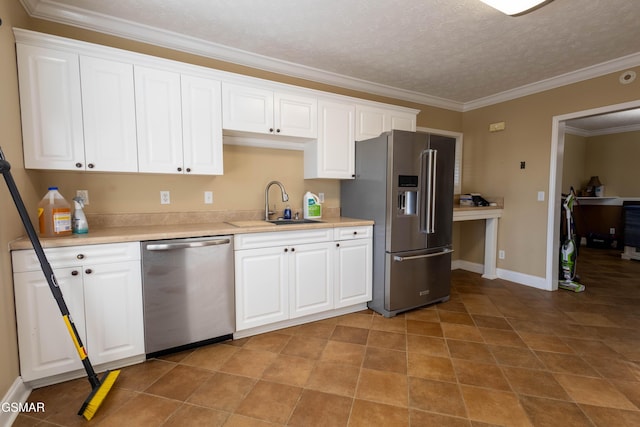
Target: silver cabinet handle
171 246
409 258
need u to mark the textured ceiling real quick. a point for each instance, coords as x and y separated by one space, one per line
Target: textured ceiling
455 50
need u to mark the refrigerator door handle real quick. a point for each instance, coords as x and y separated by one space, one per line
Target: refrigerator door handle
427 215
409 258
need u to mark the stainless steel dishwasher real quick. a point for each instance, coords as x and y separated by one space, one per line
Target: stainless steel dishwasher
188 293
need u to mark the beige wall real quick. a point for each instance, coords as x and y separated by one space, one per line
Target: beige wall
574 161
614 159
12 14
491 162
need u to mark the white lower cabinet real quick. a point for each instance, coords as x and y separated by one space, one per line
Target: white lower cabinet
353 271
288 275
102 288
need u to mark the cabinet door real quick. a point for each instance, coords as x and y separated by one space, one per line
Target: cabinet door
262 287
353 272
311 279
113 308
333 155
202 125
370 122
296 115
158 120
51 107
402 121
247 109
46 348
108 107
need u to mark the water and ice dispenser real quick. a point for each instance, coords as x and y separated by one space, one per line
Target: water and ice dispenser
408 195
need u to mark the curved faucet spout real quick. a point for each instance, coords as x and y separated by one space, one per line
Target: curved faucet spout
285 197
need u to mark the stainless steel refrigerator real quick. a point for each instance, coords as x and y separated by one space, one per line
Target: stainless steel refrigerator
404 182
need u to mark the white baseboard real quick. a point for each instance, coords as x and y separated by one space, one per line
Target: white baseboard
512 276
18 393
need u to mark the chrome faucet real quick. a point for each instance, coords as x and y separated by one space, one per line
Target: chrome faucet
285 197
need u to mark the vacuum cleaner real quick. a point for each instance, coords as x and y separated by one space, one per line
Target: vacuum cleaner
99 387
569 249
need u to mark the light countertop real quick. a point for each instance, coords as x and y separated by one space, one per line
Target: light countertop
159 232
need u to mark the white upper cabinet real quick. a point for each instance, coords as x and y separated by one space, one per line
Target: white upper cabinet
159 120
108 110
372 121
51 106
202 125
332 155
261 110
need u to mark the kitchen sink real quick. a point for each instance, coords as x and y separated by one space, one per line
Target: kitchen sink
292 221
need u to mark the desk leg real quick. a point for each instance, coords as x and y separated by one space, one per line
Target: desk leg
490 248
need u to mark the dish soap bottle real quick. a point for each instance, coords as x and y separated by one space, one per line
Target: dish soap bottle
311 208
79 219
54 214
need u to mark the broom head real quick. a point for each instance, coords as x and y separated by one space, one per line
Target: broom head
95 399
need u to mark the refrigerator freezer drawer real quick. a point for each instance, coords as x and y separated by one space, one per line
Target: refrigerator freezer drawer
417 278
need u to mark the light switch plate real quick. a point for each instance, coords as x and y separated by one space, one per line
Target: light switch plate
541 196
208 197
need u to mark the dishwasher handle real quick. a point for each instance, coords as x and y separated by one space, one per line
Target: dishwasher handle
186 245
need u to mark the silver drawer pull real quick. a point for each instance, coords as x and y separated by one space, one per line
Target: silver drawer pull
171 246
409 258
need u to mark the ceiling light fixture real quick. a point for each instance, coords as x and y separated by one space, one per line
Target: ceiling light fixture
515 7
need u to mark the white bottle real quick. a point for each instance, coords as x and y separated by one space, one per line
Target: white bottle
79 220
311 207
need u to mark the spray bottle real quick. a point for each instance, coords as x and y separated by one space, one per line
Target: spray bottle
79 220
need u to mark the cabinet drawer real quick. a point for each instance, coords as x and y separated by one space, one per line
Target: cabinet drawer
350 233
281 238
26 260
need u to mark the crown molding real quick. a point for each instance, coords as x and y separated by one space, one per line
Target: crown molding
608 131
82 18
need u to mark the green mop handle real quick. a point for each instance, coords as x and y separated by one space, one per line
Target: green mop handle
5 168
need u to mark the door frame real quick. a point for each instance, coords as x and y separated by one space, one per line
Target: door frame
555 183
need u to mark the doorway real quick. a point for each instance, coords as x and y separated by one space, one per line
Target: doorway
555 183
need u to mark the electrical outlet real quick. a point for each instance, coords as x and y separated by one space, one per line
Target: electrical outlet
208 197
165 198
501 254
84 195
321 197
612 230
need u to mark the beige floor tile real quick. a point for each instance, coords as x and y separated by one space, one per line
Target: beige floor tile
273 342
383 387
611 417
269 401
566 363
141 376
515 356
418 327
431 367
350 334
594 391
393 324
321 409
551 412
190 415
222 391
302 346
210 357
367 414
501 337
343 352
428 345
470 351
494 407
383 359
436 396
142 410
179 383
534 383
422 418
461 332
290 370
334 377
456 317
389 340
492 322
480 374
248 363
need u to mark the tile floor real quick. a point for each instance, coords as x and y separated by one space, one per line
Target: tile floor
496 354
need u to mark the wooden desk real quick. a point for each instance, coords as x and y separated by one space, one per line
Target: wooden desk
490 214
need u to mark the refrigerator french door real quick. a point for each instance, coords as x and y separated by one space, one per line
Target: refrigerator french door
404 182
